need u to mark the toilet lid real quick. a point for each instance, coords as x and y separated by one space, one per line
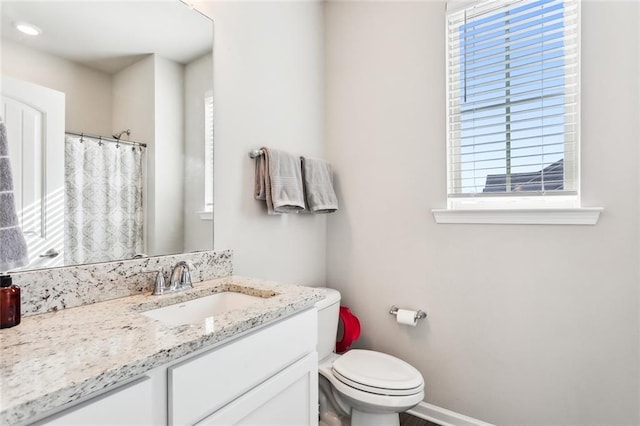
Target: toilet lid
377 372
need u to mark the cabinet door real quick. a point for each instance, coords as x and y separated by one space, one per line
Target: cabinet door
288 398
202 385
127 405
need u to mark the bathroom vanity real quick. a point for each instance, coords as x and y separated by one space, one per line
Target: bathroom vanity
108 363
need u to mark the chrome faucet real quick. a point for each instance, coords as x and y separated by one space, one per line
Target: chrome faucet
180 278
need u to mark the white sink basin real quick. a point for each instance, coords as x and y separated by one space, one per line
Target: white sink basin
197 310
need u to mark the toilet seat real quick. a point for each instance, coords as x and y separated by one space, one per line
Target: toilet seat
362 399
375 390
377 373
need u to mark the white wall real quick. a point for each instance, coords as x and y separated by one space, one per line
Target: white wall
133 95
268 91
198 79
527 324
148 98
168 155
87 91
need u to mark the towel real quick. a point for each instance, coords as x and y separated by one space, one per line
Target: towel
318 186
278 181
13 247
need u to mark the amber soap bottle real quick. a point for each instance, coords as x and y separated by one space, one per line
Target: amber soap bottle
9 302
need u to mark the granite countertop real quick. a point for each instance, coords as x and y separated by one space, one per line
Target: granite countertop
56 358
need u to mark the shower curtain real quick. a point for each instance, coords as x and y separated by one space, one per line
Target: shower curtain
103 200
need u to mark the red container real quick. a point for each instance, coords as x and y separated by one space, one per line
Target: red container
9 303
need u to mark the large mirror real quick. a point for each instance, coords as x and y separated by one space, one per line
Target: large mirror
108 111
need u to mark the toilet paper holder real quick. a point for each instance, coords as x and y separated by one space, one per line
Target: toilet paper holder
419 315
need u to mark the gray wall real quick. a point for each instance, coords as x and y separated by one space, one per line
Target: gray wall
527 324
198 79
268 91
82 86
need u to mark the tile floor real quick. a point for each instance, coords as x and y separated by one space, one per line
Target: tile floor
409 420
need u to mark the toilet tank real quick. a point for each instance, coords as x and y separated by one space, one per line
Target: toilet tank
328 314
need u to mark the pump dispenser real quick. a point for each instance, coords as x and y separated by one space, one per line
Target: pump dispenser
9 302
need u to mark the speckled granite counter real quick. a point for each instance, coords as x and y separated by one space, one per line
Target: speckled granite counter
56 358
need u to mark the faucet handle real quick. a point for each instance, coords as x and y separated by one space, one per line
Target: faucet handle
185 274
185 278
160 285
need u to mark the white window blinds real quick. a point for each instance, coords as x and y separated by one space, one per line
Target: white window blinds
512 94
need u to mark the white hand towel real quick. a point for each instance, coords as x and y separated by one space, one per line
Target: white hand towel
319 194
13 247
278 181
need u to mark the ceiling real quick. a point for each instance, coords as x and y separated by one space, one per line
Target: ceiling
110 35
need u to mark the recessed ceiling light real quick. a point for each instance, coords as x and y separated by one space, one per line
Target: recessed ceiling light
28 29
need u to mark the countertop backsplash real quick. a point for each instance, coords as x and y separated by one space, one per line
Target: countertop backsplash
50 290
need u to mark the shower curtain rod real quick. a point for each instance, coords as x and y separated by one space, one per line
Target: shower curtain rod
107 139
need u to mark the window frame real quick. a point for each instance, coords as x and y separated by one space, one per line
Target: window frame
511 207
208 150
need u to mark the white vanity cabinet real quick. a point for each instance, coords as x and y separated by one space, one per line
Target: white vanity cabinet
281 400
129 404
268 376
251 377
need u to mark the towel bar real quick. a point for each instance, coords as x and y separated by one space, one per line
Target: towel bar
256 153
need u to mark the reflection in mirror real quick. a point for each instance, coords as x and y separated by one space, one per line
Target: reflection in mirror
109 116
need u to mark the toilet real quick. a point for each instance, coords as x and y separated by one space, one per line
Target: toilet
360 387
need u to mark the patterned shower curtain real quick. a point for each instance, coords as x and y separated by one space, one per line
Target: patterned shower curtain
103 200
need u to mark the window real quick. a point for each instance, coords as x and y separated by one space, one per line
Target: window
208 152
512 104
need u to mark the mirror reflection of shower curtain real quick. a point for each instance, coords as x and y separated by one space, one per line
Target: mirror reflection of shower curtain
103 200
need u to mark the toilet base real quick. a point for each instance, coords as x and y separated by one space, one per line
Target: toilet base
360 418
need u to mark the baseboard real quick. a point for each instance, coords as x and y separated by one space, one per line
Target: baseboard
444 417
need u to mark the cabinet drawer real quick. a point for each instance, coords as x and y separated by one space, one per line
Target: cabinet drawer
201 385
130 404
290 398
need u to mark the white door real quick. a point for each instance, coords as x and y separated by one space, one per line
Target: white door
35 120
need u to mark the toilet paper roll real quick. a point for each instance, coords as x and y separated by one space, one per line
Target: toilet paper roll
407 317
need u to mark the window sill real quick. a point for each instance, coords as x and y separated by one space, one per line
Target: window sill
206 215
557 216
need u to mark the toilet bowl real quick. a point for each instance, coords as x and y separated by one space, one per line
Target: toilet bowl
360 387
